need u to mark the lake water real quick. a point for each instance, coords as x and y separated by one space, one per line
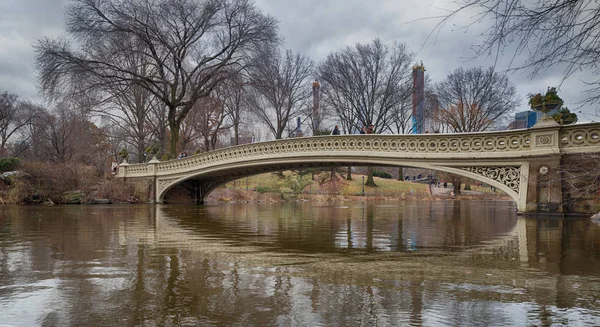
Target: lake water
439 263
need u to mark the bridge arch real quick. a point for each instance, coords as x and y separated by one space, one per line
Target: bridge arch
210 178
512 161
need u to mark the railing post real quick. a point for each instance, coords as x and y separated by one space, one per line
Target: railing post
544 190
153 162
122 170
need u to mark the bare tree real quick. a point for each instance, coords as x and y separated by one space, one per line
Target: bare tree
157 119
128 105
209 121
234 95
580 178
189 134
317 113
364 84
12 118
561 33
475 100
280 83
70 137
191 45
400 121
27 143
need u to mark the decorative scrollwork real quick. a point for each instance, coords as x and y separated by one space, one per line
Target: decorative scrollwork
431 143
509 176
516 143
164 183
580 135
544 139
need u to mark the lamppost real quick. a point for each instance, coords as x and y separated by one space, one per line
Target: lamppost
363 186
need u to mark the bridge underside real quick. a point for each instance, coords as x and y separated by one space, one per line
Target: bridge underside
508 176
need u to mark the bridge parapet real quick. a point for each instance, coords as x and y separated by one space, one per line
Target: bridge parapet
509 160
580 138
502 144
440 146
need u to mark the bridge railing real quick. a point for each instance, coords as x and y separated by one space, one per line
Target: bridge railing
580 136
497 144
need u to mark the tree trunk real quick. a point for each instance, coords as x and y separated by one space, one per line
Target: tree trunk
163 143
236 134
400 174
140 151
370 181
174 138
456 186
349 174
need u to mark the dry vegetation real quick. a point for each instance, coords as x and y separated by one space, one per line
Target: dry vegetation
39 182
272 187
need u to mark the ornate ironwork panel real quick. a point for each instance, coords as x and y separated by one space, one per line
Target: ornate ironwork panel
509 176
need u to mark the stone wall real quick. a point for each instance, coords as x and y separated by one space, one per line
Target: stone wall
143 189
182 193
581 178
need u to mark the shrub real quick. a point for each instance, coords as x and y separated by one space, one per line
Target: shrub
8 164
152 149
124 153
119 191
264 189
43 180
382 174
551 96
322 132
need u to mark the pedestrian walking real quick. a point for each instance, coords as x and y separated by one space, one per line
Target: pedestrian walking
336 130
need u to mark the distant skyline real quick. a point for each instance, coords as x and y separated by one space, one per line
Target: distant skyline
314 28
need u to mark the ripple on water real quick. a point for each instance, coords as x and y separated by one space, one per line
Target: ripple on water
352 264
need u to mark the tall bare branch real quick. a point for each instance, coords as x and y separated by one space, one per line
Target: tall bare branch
475 100
540 35
365 83
281 86
190 47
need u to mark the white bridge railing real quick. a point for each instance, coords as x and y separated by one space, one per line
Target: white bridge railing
486 145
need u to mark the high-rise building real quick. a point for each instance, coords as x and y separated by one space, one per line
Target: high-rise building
418 100
526 119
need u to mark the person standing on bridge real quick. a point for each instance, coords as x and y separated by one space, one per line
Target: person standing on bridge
336 130
114 166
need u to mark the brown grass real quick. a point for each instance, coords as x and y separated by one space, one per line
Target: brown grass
44 181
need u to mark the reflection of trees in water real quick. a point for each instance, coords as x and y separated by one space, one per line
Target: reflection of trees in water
114 268
330 228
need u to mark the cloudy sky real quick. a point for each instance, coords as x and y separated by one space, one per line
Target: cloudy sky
312 27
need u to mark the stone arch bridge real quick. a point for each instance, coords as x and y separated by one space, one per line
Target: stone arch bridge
529 165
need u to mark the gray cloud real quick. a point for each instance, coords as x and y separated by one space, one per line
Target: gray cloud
21 24
312 27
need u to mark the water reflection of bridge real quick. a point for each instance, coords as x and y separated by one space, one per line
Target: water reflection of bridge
525 164
357 229
540 246
167 263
